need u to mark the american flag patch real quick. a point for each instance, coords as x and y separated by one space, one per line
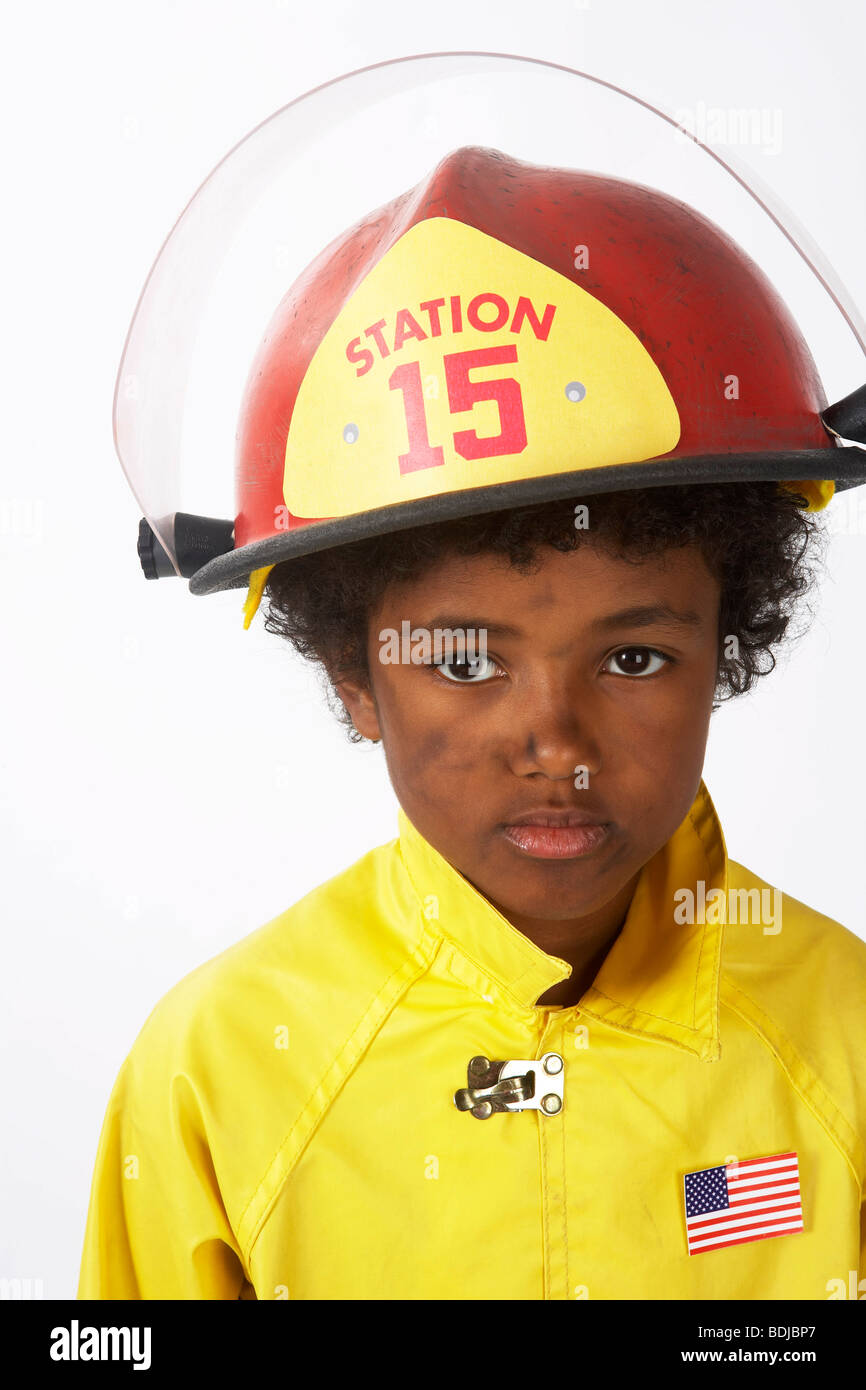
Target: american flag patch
748 1200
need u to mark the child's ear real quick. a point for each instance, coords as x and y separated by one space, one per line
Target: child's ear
358 699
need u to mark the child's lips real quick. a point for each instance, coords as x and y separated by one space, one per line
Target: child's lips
547 837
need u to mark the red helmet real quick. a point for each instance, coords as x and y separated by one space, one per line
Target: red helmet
503 334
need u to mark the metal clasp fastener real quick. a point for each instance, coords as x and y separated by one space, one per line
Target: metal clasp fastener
513 1086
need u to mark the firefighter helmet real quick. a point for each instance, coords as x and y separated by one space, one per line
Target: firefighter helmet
505 333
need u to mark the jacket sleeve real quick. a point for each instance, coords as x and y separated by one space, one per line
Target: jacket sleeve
157 1225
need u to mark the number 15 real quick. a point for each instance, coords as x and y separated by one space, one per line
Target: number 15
462 395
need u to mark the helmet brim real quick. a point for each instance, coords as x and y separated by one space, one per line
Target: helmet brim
232 570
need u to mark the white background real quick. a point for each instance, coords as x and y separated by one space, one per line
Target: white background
169 782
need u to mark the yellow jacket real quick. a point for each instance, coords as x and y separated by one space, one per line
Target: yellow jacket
285 1126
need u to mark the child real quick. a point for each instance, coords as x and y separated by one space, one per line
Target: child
514 510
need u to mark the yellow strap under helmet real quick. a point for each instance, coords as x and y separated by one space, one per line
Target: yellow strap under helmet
817 492
258 579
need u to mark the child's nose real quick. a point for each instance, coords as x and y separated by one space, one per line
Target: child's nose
556 735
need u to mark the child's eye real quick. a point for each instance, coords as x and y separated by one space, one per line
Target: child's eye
640 658
469 669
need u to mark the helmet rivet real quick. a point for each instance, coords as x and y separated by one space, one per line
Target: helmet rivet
575 390
350 434
551 1105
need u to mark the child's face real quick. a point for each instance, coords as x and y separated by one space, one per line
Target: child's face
467 758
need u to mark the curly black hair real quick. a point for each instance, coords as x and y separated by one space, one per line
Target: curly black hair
755 538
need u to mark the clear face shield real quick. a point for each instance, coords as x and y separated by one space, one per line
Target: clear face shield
323 162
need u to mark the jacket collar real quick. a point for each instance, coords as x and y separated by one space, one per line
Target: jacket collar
660 979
